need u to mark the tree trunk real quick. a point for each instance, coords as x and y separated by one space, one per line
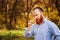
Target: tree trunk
46 7
56 3
12 15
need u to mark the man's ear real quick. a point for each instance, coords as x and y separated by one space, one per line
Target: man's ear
42 14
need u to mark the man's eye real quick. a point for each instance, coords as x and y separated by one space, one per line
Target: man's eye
36 15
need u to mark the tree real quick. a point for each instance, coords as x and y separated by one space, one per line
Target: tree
57 3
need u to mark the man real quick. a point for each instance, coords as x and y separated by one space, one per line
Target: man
43 29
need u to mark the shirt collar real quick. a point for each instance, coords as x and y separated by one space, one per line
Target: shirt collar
45 18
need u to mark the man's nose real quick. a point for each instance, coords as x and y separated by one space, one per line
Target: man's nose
35 17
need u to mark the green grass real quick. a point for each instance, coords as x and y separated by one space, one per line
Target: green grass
13 35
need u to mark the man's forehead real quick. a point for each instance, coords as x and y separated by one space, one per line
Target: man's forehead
36 11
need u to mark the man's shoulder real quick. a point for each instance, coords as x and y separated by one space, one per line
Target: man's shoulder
51 24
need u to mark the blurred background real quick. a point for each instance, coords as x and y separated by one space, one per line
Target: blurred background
15 15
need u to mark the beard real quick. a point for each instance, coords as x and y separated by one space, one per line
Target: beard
39 21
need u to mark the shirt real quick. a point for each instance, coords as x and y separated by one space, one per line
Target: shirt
45 31
57 38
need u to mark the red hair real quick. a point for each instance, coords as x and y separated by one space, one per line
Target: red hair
39 21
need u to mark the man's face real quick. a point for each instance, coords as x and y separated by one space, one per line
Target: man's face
37 14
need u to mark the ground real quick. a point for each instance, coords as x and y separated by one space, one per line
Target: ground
13 35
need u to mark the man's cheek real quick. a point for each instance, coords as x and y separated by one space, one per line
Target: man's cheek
35 17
